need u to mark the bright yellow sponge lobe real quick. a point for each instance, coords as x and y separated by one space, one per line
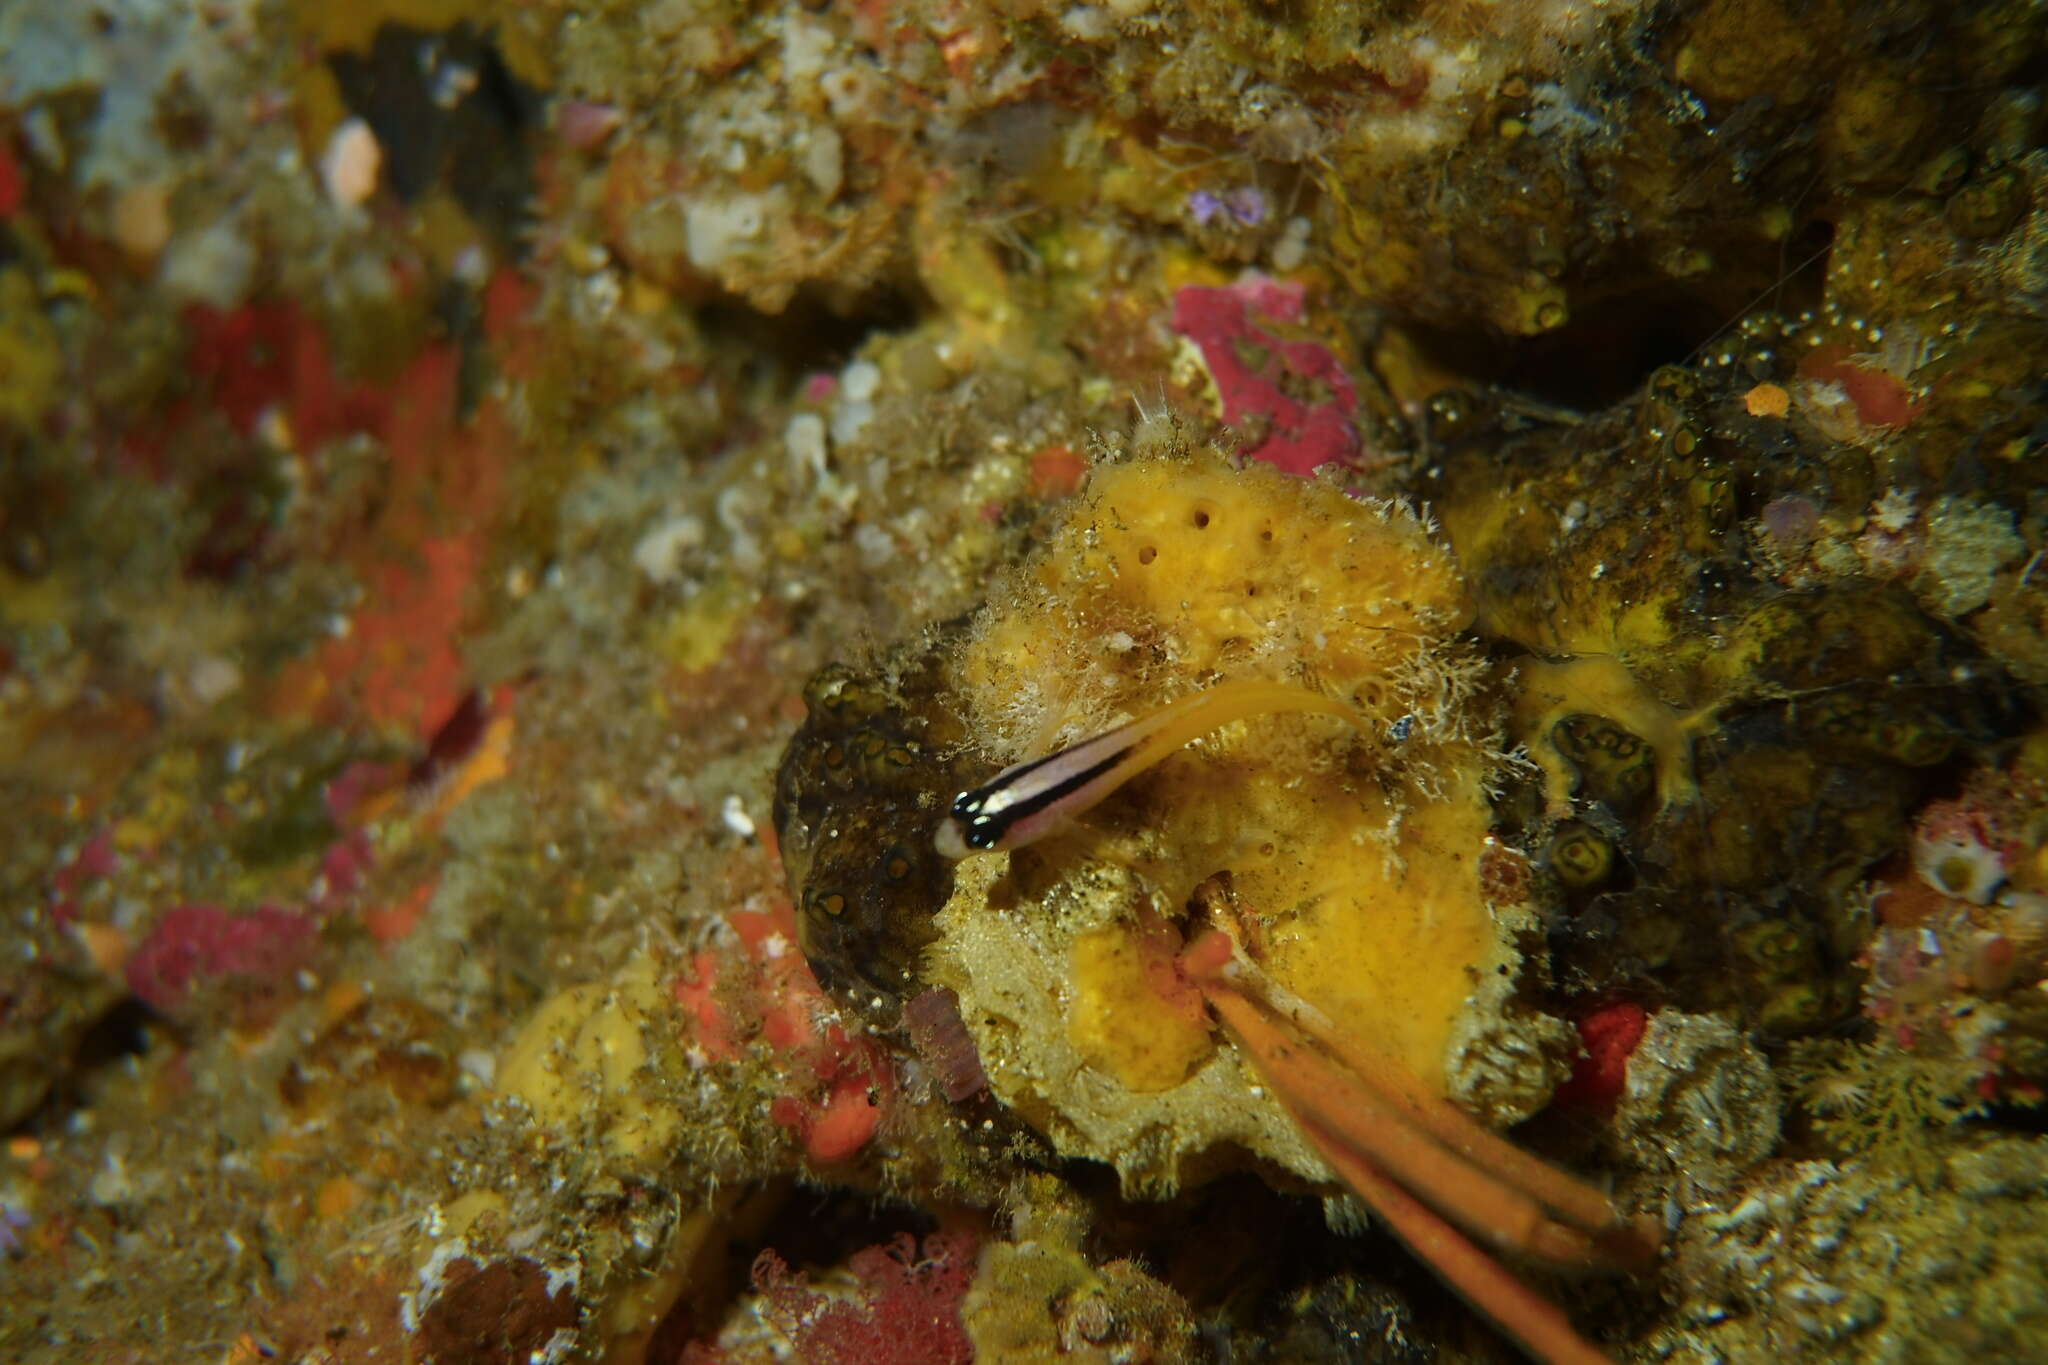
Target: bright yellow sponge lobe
578 1060
1243 568
1121 1025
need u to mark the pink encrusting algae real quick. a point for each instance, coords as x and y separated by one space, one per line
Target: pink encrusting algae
1243 331
197 944
763 993
906 1312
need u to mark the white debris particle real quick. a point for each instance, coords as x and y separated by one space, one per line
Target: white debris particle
849 420
479 1064
213 678
350 165
213 265
659 553
804 441
714 228
806 49
1292 248
110 1185
875 545
1086 24
734 813
860 381
1893 512
848 89
1968 542
822 154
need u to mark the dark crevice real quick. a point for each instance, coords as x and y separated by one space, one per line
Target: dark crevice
1613 343
447 111
809 1228
1262 1272
813 333
824 1226
124 1031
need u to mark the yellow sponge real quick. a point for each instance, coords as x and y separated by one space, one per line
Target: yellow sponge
1350 856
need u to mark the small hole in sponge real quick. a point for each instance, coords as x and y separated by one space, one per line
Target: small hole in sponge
1148 554
1251 590
1201 518
1266 535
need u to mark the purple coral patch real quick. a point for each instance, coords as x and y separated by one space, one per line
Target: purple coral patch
196 943
1791 522
941 1039
1247 204
1297 387
908 1311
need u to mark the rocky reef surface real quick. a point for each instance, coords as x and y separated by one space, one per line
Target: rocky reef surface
517 520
